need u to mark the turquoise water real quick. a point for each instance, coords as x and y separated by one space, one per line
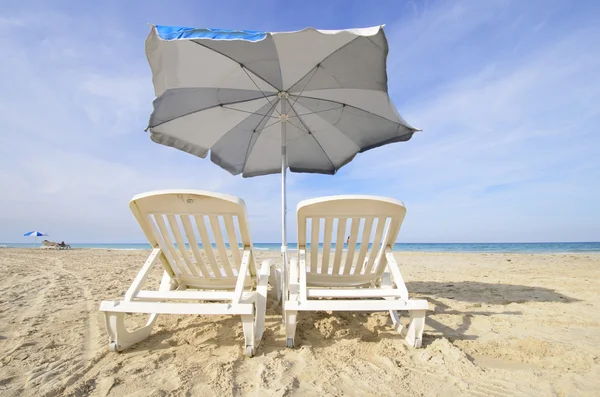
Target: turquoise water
419 247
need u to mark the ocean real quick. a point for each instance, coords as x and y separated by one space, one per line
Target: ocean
530 248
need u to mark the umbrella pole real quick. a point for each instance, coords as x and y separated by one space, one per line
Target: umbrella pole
284 270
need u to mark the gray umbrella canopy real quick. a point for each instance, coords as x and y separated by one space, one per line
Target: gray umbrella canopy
264 102
231 93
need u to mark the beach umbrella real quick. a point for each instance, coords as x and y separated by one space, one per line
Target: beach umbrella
261 103
36 234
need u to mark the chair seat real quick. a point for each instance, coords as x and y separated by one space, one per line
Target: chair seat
327 280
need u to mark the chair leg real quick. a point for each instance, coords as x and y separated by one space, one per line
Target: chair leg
249 335
396 321
290 327
386 283
414 331
261 301
118 336
254 326
275 281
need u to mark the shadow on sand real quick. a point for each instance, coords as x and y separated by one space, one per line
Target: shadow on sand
320 329
488 293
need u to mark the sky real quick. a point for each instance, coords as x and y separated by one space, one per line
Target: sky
507 94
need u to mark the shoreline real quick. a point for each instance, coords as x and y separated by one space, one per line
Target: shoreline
266 251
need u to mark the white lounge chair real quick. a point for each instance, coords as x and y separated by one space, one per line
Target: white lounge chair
227 285
367 279
46 244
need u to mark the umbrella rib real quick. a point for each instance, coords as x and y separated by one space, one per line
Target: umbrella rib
249 149
243 67
398 125
270 125
323 60
374 43
203 109
361 110
317 112
313 136
305 85
246 111
261 91
335 124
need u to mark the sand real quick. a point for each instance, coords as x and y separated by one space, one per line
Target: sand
500 324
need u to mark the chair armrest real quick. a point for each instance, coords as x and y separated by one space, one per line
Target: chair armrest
269 274
264 272
241 280
143 274
395 273
293 280
294 273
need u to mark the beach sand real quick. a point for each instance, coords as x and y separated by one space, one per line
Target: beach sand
500 324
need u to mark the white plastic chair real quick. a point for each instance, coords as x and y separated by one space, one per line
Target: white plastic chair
173 222
366 278
49 244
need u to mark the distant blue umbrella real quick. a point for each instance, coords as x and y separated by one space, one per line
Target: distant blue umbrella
36 234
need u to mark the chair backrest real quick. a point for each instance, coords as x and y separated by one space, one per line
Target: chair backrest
178 220
372 224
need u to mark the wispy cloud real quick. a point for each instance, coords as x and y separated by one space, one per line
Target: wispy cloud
118 103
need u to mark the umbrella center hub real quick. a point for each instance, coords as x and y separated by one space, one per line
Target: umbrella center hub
283 96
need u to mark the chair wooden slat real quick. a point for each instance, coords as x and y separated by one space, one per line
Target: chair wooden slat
192 240
163 245
232 239
169 243
314 245
181 245
355 223
376 244
379 266
216 229
207 246
339 245
326 247
364 245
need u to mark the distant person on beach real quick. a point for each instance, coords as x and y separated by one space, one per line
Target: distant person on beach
348 240
62 244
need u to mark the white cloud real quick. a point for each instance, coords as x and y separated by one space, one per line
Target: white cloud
11 22
116 103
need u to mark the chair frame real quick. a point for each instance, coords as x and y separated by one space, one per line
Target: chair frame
373 282
188 278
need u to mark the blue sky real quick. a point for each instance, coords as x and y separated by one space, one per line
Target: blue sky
507 94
